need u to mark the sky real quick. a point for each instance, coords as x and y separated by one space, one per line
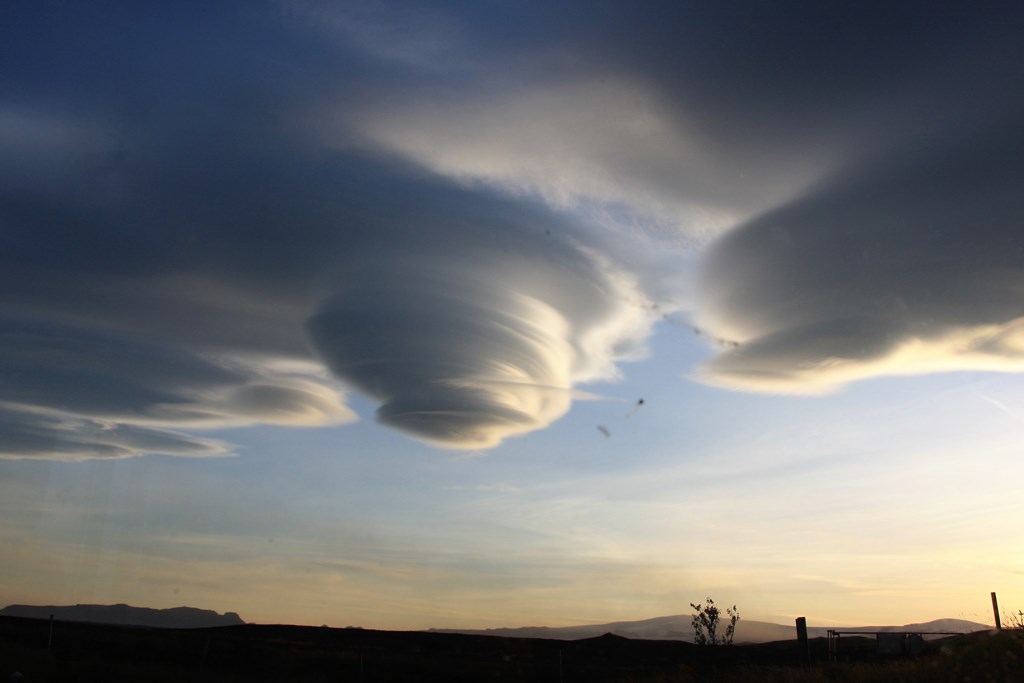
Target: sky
477 314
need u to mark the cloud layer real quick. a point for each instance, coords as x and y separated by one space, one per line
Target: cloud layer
463 213
181 253
68 389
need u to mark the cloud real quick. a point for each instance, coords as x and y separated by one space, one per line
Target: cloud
36 143
179 307
409 34
468 346
63 436
682 119
75 393
466 213
209 266
105 376
581 143
908 264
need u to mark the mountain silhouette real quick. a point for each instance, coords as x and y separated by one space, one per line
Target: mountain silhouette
126 615
678 627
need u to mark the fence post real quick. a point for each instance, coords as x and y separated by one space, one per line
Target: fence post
995 611
801 636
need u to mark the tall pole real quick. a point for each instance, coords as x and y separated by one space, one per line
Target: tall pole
995 611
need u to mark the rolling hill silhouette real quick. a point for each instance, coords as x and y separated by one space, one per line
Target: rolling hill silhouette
126 615
677 627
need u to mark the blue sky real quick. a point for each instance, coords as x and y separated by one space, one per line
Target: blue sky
495 314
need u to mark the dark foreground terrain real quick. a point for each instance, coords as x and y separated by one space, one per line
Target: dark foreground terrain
93 652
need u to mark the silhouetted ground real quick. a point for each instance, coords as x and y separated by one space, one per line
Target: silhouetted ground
126 615
93 652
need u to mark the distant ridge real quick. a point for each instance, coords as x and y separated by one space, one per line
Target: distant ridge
678 627
126 615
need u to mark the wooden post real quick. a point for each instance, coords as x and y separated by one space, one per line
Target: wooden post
801 636
995 611
49 639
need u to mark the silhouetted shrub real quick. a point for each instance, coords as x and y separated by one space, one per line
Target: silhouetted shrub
706 622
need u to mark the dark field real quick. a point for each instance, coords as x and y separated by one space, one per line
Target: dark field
92 652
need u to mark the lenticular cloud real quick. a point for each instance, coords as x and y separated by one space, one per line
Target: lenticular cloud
237 233
910 264
73 393
464 353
